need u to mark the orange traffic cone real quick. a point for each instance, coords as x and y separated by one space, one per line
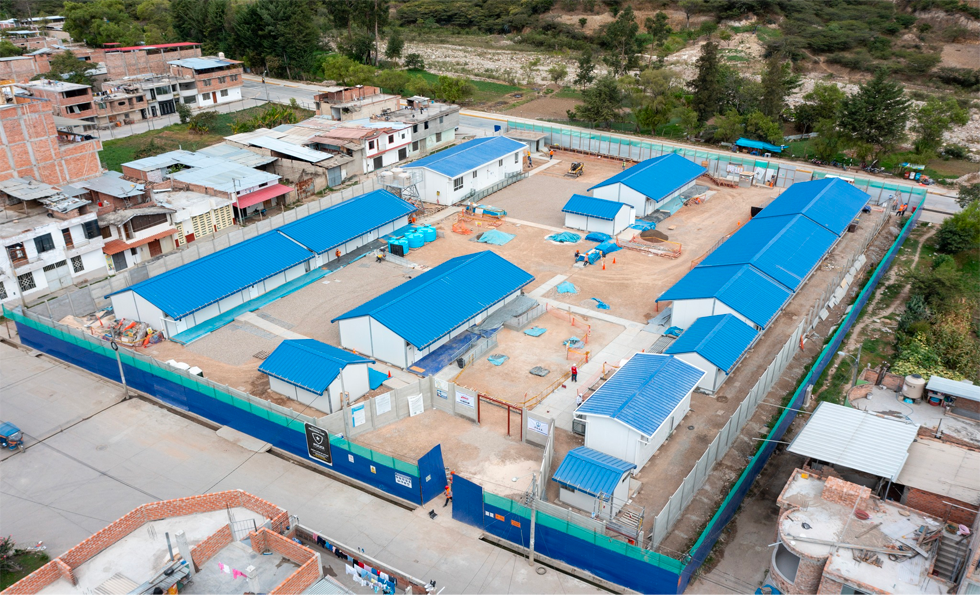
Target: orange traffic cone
614 260
603 264
389 373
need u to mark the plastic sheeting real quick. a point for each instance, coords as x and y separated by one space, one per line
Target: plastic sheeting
644 225
674 331
495 237
598 236
535 332
600 304
566 287
497 359
565 237
376 378
573 343
608 248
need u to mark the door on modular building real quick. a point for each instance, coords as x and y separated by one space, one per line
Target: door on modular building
57 275
119 261
155 248
378 163
402 153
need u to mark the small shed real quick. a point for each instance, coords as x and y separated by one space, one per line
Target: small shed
595 214
964 397
714 344
634 412
535 141
594 482
316 374
650 184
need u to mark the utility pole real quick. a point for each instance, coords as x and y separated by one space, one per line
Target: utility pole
122 374
534 517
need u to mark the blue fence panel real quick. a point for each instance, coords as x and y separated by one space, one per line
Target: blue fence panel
707 540
432 474
506 524
467 502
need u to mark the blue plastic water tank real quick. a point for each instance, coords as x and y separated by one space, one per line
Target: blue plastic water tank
414 240
428 233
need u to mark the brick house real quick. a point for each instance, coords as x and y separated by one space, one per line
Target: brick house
208 81
68 100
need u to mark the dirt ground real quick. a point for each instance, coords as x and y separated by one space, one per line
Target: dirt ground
545 108
512 380
597 169
540 197
959 55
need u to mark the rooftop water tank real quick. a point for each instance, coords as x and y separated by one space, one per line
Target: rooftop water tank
913 387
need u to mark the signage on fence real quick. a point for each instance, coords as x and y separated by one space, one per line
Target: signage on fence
382 403
318 444
402 479
537 426
357 415
465 397
414 405
442 389
734 169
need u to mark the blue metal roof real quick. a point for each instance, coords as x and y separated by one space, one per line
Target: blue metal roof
580 204
458 160
309 364
742 288
590 471
786 248
658 177
758 144
430 306
198 284
830 202
719 339
644 391
325 230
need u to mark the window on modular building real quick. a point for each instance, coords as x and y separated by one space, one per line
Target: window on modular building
66 233
500 163
458 183
474 175
44 243
26 282
224 92
516 157
91 229
391 138
76 264
3 291
438 137
371 145
415 146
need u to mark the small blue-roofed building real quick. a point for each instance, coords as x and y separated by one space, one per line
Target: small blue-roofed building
593 481
831 203
596 214
407 323
191 294
650 184
742 290
348 225
714 344
633 413
316 374
451 175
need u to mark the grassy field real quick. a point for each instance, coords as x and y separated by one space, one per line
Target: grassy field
29 562
116 152
485 91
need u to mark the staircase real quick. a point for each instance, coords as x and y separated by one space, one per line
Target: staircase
951 557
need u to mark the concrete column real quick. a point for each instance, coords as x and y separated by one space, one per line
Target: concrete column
253 579
185 551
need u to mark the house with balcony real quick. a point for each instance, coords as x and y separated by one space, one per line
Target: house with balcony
157 90
135 235
69 100
378 144
50 238
433 124
213 80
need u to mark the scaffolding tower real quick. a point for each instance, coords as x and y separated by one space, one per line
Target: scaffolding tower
403 183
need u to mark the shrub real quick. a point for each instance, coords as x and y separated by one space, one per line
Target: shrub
414 62
183 112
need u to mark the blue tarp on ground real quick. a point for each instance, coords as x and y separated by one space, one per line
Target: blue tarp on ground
376 378
497 359
644 225
536 331
600 304
495 237
674 331
598 236
566 287
607 248
565 237
573 343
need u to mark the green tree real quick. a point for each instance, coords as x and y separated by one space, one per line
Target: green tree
687 119
620 40
659 86
558 73
706 85
9 50
392 81
586 69
969 195
582 22
100 22
345 71
877 114
777 82
157 24
658 26
395 45
961 232
761 127
414 62
601 102
731 126
417 85
67 67
454 88
183 112
822 103
932 119
828 142
278 35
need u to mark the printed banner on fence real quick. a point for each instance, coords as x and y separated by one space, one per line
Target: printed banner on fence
382 403
414 405
318 444
442 389
537 426
405 480
357 415
466 397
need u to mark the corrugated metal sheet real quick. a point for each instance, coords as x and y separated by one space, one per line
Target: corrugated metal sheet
325 230
579 204
237 154
954 388
198 284
470 155
656 178
944 469
27 188
740 287
226 176
308 363
201 63
111 183
830 202
430 306
327 586
786 248
592 472
297 151
719 339
644 391
855 439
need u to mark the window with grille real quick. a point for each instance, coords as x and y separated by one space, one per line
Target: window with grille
458 184
76 264
3 291
66 233
415 146
223 217
202 225
91 229
26 281
181 240
147 221
44 243
56 265
224 92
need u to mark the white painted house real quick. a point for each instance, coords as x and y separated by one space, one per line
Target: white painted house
714 344
451 175
650 184
633 413
595 214
316 374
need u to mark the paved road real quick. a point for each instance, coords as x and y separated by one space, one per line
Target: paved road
99 458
